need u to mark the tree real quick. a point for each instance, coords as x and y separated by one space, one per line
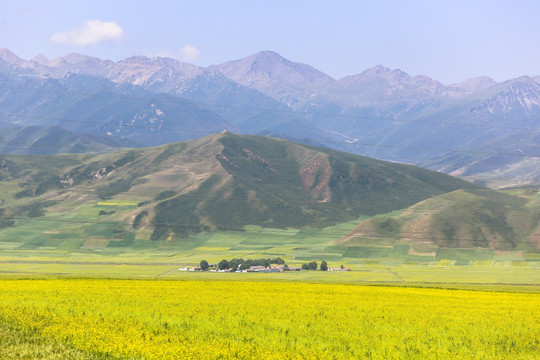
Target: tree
265 262
235 263
305 267
324 266
312 265
223 264
204 265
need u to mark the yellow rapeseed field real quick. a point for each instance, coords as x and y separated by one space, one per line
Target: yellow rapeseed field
144 319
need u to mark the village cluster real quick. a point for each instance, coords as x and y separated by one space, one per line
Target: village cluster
259 269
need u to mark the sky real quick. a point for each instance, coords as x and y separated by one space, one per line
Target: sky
449 41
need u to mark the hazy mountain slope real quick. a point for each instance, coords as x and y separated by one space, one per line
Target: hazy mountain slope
510 160
464 125
87 104
35 140
248 109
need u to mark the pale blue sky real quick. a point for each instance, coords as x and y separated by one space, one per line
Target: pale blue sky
449 41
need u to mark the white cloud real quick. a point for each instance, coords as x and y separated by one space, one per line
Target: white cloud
90 32
189 53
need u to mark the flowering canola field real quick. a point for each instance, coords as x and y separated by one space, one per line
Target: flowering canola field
145 319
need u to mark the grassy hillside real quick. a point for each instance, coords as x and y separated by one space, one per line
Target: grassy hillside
462 219
176 196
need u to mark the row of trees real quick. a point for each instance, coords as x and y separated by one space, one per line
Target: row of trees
242 264
313 266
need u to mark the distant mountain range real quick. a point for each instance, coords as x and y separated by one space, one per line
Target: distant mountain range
478 129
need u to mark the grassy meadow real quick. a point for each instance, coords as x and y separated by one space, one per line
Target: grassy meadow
70 247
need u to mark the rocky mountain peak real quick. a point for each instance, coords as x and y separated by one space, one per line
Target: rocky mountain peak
40 59
74 58
383 82
58 62
268 64
270 73
268 55
139 59
520 95
475 84
382 71
525 80
10 57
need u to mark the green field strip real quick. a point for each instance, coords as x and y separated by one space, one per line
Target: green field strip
367 252
532 256
519 264
337 249
392 262
421 258
321 257
484 254
482 263
251 247
508 255
9 245
455 254
399 251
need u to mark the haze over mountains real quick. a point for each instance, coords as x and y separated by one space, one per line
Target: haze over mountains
478 129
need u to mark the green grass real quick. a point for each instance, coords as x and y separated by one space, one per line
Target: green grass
399 251
532 256
86 250
455 254
405 275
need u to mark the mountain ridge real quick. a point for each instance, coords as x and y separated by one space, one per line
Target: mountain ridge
390 111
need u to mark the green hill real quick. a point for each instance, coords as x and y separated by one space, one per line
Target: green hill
175 194
462 219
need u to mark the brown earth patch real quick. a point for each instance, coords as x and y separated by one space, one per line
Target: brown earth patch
535 238
364 229
418 230
315 177
259 160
